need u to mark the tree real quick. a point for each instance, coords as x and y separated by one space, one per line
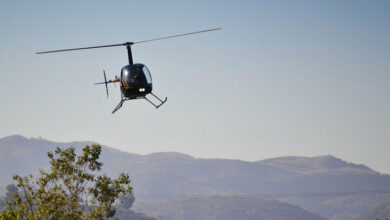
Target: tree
70 190
11 190
126 201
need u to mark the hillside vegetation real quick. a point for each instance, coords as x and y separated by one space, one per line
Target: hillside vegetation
226 208
325 185
381 212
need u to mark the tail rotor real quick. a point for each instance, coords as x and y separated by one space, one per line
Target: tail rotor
105 82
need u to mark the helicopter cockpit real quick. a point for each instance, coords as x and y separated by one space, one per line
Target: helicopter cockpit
136 79
136 74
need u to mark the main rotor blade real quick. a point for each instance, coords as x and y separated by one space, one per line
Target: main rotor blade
179 35
80 48
127 43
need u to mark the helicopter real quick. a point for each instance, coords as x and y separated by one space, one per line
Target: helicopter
135 78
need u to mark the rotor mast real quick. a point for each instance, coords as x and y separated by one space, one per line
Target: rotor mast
128 46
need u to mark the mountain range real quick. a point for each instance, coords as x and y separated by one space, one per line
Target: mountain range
324 185
381 211
226 208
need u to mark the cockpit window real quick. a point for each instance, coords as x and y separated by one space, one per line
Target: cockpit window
136 75
147 75
126 76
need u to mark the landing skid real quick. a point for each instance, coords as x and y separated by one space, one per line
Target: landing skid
144 97
161 101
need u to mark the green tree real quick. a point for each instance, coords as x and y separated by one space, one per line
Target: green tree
70 190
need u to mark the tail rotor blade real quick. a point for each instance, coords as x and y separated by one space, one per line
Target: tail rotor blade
105 81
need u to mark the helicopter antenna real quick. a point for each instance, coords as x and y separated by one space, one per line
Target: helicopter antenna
127 44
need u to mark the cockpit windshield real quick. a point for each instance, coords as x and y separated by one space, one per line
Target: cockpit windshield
147 74
136 75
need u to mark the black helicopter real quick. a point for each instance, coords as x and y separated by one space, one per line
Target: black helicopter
135 79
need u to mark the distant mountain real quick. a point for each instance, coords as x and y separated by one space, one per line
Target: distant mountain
226 208
321 164
131 215
325 185
380 212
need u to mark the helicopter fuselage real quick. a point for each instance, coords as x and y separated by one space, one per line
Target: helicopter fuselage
136 81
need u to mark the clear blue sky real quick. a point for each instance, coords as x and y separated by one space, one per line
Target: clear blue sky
282 78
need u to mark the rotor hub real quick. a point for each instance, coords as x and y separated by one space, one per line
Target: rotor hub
128 43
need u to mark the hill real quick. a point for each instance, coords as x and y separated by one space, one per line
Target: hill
324 185
382 212
226 208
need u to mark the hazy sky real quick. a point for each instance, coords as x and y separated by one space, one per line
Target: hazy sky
282 78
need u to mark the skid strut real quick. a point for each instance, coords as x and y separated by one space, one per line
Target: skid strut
119 105
123 99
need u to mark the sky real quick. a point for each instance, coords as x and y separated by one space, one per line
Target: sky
282 78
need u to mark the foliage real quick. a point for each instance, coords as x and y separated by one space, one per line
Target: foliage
70 190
